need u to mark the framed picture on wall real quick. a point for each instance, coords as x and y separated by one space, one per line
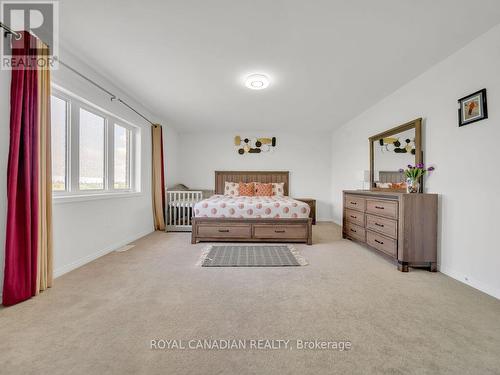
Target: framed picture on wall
472 108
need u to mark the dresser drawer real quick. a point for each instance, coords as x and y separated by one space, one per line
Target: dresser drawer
355 231
383 208
280 231
354 202
224 231
382 225
355 217
382 243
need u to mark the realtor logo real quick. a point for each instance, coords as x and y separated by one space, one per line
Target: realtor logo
38 18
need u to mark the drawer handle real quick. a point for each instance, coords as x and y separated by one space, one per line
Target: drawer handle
279 231
354 203
380 207
352 230
354 217
380 242
379 225
224 230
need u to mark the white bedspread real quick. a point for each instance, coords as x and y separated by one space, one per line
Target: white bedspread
251 207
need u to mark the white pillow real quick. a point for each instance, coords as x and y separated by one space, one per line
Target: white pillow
231 188
279 189
383 185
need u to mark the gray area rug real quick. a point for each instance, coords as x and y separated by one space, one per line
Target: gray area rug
251 256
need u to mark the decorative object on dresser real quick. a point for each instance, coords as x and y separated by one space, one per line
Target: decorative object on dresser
312 204
472 108
385 161
414 174
402 226
253 229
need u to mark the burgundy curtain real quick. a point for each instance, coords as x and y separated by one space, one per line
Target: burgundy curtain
20 277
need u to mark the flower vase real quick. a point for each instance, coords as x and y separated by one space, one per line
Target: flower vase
412 186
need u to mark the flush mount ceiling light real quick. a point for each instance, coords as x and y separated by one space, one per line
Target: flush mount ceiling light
257 81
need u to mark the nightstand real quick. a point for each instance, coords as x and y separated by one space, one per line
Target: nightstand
312 204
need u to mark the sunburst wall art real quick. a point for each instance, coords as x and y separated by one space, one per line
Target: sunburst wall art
254 145
391 144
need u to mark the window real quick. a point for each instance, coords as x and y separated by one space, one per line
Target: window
93 151
122 157
59 121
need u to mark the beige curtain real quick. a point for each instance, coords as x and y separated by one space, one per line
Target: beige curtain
158 183
44 259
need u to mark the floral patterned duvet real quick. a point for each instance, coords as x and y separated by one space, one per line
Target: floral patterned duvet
251 207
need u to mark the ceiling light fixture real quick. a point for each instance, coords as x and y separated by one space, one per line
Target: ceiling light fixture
257 81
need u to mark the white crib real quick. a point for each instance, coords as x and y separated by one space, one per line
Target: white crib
180 204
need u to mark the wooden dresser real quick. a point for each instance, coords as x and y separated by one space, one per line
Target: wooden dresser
400 225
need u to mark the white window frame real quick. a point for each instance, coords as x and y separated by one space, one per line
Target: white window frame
67 140
73 192
105 133
130 154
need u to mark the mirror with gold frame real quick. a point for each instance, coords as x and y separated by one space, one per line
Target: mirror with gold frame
393 150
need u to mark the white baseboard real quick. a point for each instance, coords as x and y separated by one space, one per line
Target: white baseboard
467 280
337 222
325 219
89 258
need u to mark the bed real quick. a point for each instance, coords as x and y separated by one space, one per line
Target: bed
251 219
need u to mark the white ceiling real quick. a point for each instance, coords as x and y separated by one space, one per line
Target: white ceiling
328 60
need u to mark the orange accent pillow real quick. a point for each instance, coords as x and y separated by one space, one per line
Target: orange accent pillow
263 190
246 190
398 185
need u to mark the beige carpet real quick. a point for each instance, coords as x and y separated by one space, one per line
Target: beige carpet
100 318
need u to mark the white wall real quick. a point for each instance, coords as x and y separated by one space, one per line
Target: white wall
86 230
306 155
466 158
170 155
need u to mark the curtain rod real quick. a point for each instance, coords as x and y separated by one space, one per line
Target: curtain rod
9 31
113 96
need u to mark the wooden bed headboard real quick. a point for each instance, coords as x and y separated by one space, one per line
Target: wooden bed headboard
250 176
391 176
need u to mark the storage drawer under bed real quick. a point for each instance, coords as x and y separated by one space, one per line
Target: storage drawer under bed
224 231
279 231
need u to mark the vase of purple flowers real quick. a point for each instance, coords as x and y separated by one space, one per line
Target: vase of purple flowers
414 174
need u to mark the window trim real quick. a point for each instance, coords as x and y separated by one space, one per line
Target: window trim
130 149
73 193
67 175
105 142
